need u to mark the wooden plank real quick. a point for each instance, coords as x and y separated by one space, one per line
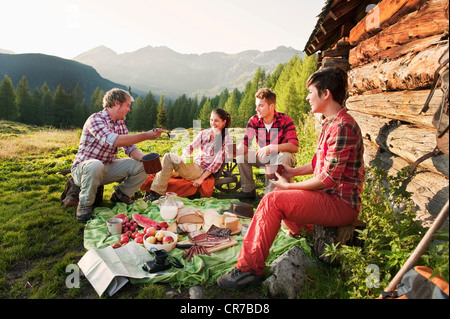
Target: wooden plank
232 242
396 40
400 105
412 71
384 14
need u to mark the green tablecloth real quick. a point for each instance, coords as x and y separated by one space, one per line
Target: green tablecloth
202 269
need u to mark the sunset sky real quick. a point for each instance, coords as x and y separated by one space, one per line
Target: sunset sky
67 28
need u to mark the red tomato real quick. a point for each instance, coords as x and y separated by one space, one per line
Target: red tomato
124 239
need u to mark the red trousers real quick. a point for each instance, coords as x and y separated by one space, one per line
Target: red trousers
297 208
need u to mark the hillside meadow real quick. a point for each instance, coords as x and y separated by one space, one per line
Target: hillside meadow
39 238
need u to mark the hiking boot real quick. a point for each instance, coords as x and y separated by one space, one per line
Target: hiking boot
246 195
119 197
237 279
152 196
70 196
84 212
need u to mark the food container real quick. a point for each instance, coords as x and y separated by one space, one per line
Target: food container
242 210
114 226
166 247
152 163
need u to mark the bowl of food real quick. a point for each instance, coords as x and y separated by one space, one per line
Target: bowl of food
160 239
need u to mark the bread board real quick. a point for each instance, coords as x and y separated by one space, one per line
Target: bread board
230 243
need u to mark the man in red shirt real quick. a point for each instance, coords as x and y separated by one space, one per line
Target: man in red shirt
331 197
96 162
276 140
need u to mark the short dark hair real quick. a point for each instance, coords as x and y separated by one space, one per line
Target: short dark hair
266 94
333 79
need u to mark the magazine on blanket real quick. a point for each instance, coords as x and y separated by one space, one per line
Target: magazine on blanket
108 269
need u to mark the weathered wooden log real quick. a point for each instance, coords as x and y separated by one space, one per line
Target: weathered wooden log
384 14
406 141
412 71
344 235
430 191
412 33
401 105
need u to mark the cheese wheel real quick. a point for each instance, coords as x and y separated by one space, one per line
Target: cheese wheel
227 220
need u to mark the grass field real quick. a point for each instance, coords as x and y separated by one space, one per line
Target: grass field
39 238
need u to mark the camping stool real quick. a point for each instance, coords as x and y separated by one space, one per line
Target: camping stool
342 235
69 197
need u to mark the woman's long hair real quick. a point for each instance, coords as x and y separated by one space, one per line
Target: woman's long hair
224 116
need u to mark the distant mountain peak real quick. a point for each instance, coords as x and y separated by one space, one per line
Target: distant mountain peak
163 70
101 50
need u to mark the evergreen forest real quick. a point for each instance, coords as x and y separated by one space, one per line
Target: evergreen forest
70 108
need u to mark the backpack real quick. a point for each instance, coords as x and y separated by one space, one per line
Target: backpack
418 283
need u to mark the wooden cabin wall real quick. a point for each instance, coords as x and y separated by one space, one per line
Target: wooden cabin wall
391 70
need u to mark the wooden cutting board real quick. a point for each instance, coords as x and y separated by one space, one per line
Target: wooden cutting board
230 243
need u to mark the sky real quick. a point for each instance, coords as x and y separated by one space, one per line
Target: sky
67 28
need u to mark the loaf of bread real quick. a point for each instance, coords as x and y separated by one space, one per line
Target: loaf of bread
189 215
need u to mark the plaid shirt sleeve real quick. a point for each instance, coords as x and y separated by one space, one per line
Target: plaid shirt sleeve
339 145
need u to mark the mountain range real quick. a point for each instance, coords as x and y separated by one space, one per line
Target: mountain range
156 69
164 71
39 68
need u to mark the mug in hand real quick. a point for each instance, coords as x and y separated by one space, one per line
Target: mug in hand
271 169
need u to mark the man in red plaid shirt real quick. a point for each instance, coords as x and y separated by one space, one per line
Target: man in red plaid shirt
96 163
276 140
331 197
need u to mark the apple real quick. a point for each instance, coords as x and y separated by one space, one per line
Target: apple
151 240
139 240
167 239
160 235
151 231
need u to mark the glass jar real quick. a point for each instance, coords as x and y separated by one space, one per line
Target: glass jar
169 209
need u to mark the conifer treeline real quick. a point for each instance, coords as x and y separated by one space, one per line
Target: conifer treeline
68 109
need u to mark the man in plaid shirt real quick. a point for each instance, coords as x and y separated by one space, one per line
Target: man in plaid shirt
96 163
331 197
276 140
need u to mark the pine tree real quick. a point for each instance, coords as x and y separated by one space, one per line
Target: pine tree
247 105
80 112
47 105
8 106
37 103
151 111
223 98
161 118
137 118
232 105
60 101
24 102
97 101
205 114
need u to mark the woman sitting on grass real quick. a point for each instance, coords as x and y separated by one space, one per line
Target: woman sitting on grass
205 163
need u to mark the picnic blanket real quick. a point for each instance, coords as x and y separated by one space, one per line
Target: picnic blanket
202 269
183 187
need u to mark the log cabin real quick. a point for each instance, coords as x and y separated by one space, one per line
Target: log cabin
390 50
